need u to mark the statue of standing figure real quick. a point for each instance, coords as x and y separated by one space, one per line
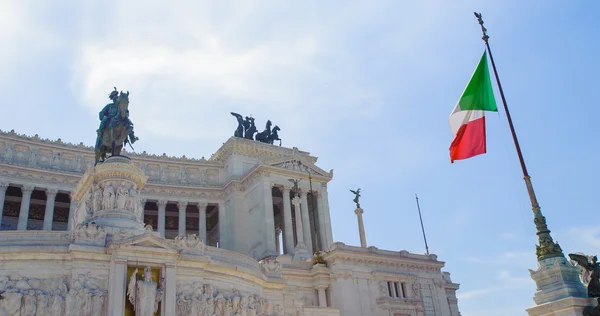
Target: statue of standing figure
144 294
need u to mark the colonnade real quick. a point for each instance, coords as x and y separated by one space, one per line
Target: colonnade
51 193
303 229
26 193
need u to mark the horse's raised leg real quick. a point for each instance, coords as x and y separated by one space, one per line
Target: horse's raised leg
97 156
113 148
279 142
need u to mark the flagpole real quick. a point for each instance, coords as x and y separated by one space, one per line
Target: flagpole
422 227
547 247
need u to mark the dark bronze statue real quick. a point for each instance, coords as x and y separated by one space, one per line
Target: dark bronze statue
263 136
246 129
239 131
250 128
115 129
356 196
590 273
274 136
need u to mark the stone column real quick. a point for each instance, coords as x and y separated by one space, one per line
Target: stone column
118 280
170 289
277 245
322 296
143 212
361 227
222 224
162 205
3 187
25 202
202 221
327 216
72 207
182 215
300 252
49 214
306 231
269 219
288 229
321 222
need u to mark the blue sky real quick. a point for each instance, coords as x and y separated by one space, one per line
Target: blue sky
365 86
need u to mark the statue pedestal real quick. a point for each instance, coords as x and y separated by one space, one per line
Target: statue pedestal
559 289
570 306
108 196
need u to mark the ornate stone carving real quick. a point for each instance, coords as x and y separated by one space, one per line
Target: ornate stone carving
87 296
25 296
270 266
197 299
416 289
191 244
89 233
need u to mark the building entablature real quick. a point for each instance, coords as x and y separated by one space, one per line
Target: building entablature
341 254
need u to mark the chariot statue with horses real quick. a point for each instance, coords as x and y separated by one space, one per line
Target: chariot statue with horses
116 129
246 129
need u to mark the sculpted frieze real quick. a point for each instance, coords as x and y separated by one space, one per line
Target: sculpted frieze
204 299
271 266
191 244
85 296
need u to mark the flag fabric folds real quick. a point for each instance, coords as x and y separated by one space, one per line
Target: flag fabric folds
467 120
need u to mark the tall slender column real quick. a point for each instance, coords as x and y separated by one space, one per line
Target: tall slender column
162 205
3 187
117 294
170 289
222 225
300 252
361 226
182 215
287 221
72 207
327 216
322 295
306 222
321 222
143 212
269 219
202 221
25 202
277 245
49 214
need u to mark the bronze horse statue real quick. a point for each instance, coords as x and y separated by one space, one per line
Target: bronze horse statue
115 135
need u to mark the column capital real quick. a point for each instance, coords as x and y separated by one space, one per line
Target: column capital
302 193
287 187
321 287
358 211
4 186
27 189
162 203
202 205
143 200
182 204
51 192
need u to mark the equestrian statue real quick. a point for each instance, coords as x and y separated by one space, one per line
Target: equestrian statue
116 130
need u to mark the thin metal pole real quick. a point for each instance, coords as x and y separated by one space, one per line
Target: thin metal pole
422 227
547 248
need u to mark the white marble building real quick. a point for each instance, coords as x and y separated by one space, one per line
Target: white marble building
218 236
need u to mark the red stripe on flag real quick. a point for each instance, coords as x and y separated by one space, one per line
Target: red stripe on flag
469 140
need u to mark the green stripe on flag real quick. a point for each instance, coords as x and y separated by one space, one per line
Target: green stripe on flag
478 94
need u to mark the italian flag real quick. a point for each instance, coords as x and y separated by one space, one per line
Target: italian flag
467 121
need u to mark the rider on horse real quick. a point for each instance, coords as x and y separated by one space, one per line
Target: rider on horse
111 111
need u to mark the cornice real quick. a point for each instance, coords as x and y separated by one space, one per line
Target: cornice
89 150
375 258
250 148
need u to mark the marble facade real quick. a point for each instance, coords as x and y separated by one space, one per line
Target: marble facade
226 235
